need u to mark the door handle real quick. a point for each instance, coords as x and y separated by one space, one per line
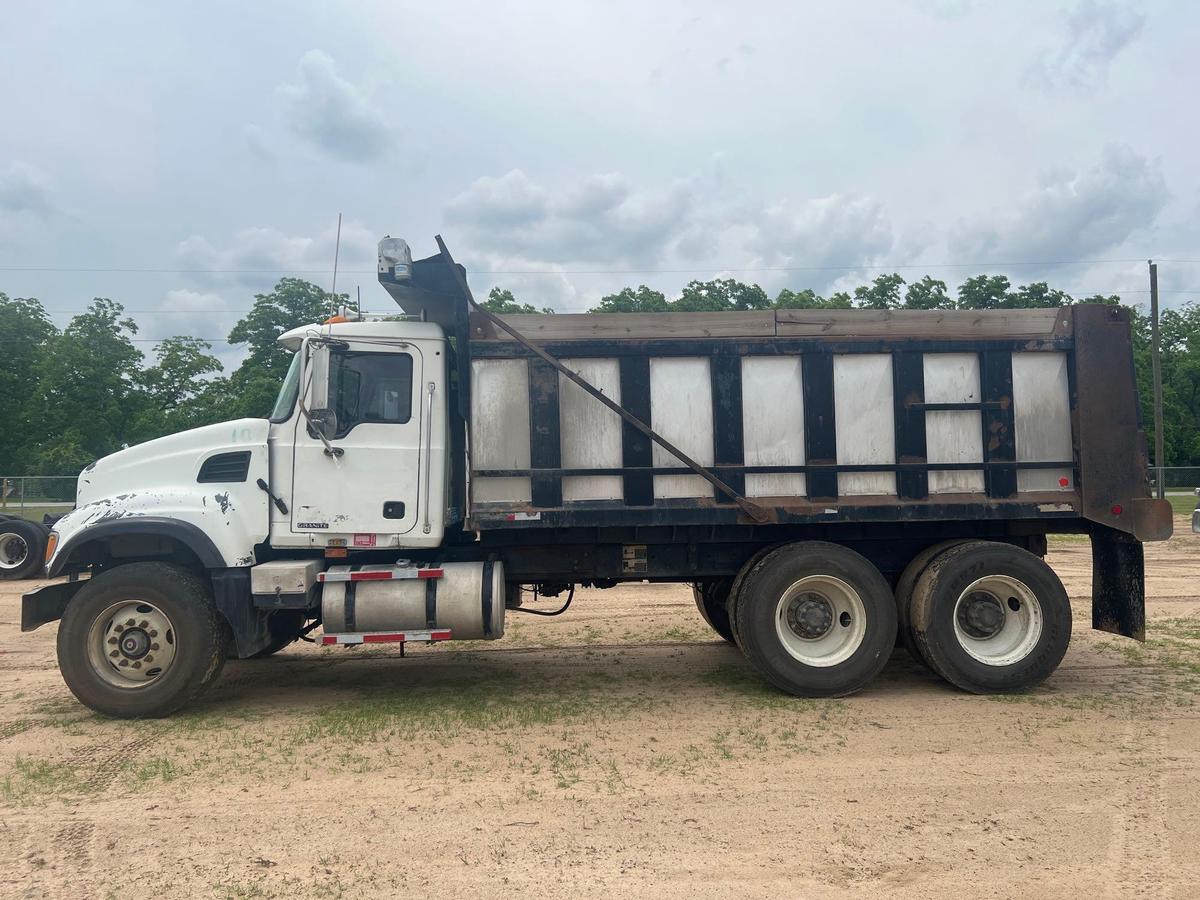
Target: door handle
429 388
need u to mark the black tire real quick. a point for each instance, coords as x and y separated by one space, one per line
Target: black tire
1035 652
197 636
22 548
735 590
904 589
285 626
711 600
761 632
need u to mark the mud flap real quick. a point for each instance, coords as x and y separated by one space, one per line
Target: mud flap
1118 583
47 604
231 593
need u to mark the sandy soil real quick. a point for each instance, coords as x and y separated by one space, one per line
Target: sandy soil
618 750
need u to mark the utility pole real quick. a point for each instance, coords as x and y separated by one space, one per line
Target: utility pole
1156 368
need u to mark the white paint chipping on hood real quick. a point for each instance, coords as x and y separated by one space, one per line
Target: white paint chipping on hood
158 478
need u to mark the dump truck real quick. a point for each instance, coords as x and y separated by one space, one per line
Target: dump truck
831 483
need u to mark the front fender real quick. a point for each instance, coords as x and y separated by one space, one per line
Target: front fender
150 526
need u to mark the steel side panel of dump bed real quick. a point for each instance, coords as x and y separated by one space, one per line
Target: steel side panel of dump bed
833 417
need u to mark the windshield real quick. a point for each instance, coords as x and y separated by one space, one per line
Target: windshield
287 392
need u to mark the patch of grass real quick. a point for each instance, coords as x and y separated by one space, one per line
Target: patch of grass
501 703
747 686
37 777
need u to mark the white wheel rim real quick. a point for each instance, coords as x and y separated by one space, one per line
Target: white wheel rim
13 550
998 620
131 644
821 621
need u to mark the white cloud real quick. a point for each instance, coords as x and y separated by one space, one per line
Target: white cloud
1094 33
25 189
258 257
1071 215
602 219
333 114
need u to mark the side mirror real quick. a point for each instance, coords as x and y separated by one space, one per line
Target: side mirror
316 396
322 418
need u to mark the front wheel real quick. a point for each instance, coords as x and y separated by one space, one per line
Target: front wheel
817 619
141 640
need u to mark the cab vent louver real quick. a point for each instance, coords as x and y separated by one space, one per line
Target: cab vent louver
225 467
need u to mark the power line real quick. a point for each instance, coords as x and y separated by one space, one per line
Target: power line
139 270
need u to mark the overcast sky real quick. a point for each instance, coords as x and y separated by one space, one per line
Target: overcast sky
558 147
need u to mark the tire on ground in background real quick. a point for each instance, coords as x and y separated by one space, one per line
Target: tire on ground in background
816 619
128 622
990 617
22 548
712 598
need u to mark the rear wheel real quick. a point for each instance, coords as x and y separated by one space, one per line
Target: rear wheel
990 617
817 619
141 640
22 548
904 590
712 601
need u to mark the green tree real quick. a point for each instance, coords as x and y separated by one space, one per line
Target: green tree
883 293
177 383
983 292
252 388
1038 295
629 300
503 303
89 388
928 293
27 333
810 299
720 295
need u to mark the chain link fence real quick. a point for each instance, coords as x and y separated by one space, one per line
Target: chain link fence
33 496
1177 479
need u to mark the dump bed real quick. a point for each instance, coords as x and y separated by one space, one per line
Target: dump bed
814 415
788 416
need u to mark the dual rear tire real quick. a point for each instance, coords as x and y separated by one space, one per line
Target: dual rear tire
819 620
989 617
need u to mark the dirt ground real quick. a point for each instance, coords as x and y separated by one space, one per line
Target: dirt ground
618 750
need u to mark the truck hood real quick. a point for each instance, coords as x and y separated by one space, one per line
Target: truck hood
171 461
161 480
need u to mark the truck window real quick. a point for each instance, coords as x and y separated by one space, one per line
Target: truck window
370 387
286 400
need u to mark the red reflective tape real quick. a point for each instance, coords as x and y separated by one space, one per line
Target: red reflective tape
384 638
439 635
371 576
430 573
327 639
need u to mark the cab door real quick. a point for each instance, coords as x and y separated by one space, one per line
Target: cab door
367 490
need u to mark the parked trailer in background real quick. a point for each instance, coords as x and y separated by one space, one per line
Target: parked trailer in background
824 479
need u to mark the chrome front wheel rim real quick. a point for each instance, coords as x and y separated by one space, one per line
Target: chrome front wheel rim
998 620
131 644
821 621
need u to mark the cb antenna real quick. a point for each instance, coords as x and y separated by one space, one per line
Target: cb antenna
337 246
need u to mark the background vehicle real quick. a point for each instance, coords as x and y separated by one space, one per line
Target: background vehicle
22 546
826 479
